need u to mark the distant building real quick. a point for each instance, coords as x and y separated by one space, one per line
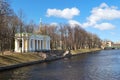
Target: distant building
106 44
27 42
109 43
116 45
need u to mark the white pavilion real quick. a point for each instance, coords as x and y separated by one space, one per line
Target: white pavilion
27 42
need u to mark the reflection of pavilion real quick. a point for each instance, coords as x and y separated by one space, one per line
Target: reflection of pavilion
27 42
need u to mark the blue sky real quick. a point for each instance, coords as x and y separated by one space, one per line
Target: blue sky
101 17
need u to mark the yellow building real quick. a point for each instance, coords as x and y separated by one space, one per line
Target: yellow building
27 42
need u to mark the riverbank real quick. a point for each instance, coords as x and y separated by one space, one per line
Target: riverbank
18 60
81 51
98 65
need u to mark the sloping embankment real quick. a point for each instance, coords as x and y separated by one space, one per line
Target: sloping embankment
81 51
15 59
18 60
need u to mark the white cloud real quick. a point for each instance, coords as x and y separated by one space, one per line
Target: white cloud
73 23
66 13
103 12
104 26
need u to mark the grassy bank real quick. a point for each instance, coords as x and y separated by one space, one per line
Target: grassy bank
79 51
6 60
18 58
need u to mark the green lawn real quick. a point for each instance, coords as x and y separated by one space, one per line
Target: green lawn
12 59
79 51
17 58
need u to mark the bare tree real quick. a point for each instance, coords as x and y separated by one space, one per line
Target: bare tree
29 28
5 13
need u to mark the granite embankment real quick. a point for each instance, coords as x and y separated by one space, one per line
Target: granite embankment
15 60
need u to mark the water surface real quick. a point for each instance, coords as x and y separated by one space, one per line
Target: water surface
102 65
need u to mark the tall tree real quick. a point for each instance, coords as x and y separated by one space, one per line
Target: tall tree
5 13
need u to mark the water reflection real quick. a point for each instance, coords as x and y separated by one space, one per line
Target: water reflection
103 65
16 74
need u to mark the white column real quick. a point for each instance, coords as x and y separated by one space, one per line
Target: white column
29 44
40 44
46 44
49 44
23 45
33 49
37 45
16 45
32 45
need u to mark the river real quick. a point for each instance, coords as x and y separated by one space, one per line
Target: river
101 65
